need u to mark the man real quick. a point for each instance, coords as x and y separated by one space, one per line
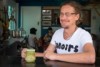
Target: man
72 43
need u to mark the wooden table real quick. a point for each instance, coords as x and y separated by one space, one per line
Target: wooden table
17 61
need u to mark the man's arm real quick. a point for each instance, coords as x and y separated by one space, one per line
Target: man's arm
87 56
50 48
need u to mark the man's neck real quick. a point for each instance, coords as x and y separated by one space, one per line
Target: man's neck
68 32
70 29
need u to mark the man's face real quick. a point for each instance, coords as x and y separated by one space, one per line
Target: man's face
68 17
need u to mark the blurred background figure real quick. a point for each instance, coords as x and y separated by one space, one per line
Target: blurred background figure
32 39
47 37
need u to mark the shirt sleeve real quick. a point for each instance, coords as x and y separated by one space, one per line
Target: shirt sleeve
86 38
54 37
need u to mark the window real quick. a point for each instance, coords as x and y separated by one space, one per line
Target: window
11 17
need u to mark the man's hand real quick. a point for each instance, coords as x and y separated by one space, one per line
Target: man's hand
50 55
23 53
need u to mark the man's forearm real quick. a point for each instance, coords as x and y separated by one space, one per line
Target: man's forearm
76 58
39 54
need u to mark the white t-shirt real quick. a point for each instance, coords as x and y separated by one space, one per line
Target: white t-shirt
74 44
31 40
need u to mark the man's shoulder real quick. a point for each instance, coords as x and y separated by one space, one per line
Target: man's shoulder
83 31
60 30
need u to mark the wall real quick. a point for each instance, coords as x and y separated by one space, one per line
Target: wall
95 21
31 17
